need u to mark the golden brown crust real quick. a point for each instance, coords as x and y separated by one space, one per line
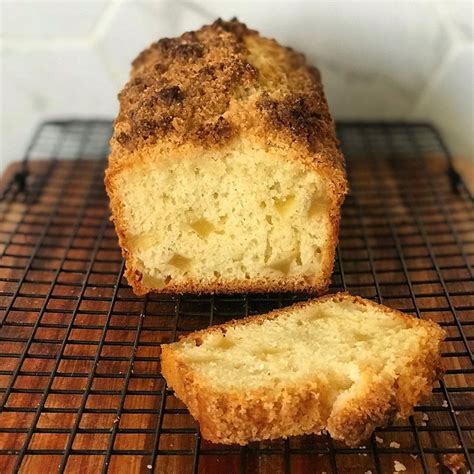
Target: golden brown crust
208 86
212 89
134 278
235 417
242 417
221 83
339 297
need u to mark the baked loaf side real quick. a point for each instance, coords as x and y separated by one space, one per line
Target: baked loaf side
224 172
340 363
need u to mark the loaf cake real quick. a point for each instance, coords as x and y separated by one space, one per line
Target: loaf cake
340 363
225 174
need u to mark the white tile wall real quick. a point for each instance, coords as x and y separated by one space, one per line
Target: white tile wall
49 19
380 60
449 100
460 15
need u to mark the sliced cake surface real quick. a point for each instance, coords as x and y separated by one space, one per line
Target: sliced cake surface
225 174
340 363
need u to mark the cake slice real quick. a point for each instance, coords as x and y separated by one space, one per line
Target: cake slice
340 363
225 174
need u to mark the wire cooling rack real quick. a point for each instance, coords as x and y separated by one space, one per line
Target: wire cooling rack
81 389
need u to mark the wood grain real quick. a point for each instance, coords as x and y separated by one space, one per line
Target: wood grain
71 261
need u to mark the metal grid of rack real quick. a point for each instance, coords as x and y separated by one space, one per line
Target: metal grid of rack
80 383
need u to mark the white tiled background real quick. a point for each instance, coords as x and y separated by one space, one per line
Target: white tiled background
410 60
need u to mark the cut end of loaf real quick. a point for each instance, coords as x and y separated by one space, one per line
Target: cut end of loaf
225 174
339 363
234 221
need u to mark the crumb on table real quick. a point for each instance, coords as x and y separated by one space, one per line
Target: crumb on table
454 462
398 466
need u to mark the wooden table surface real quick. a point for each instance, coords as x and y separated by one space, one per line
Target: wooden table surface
126 401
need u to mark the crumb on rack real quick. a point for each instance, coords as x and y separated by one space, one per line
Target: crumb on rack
394 444
454 462
398 466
